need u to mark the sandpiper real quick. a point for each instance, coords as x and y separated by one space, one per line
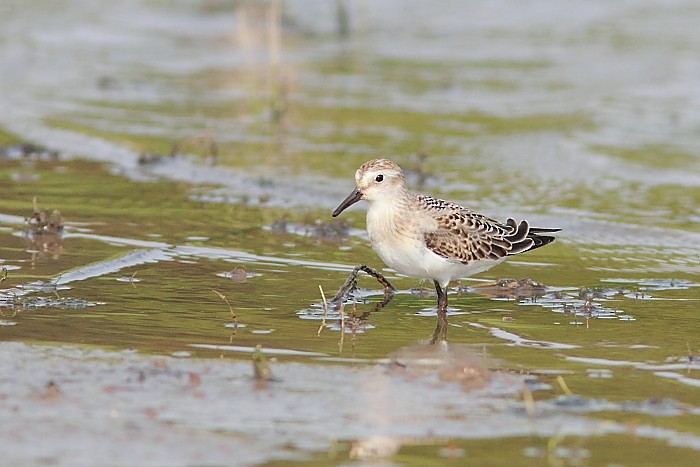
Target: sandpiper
430 238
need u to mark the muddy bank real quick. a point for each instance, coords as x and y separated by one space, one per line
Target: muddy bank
67 406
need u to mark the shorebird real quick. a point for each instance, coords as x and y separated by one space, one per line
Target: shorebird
428 238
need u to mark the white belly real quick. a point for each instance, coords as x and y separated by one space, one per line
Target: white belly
404 251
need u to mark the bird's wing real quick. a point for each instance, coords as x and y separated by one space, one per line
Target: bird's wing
466 236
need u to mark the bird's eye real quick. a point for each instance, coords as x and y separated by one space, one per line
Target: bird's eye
379 178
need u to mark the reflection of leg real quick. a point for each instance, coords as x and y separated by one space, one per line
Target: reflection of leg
351 283
440 333
441 327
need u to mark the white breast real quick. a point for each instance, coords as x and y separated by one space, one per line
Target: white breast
399 241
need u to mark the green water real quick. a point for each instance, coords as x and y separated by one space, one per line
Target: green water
541 135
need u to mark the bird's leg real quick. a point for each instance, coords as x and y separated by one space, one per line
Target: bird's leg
351 284
388 288
441 327
441 297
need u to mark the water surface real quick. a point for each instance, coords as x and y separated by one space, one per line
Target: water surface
193 156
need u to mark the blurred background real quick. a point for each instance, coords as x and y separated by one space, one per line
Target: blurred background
168 169
590 107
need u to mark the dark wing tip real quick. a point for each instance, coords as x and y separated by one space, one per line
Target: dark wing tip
525 238
538 230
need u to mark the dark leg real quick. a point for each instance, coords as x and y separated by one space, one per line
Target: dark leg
441 297
441 328
351 283
388 288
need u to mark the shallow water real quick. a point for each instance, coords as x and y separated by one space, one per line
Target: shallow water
584 119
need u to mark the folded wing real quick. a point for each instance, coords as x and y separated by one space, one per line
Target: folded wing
466 236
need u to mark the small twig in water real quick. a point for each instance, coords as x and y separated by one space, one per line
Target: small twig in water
325 310
342 316
529 402
261 368
691 358
563 385
342 325
230 308
552 444
55 286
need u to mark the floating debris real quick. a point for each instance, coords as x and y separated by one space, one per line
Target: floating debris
334 231
55 302
28 151
130 279
510 289
41 287
351 325
45 231
8 297
657 284
639 295
238 275
599 373
581 302
43 222
150 158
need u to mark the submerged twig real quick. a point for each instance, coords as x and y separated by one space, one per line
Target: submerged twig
325 310
530 409
230 308
342 325
325 313
691 358
564 386
261 368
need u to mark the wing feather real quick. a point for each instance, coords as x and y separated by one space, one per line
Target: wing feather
467 236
